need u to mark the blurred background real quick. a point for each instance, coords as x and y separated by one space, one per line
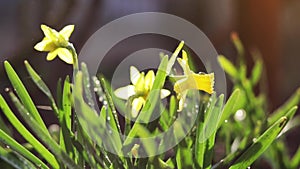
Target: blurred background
272 26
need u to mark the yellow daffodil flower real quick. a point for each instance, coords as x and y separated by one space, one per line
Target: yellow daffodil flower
56 43
191 80
139 90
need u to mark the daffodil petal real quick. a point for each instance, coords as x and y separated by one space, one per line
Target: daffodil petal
134 75
49 33
181 101
140 85
164 93
184 63
149 79
181 85
45 45
52 55
65 55
137 104
125 92
67 31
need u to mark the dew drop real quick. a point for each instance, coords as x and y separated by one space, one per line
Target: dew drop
6 89
97 82
108 118
95 89
7 146
189 114
101 98
105 102
248 167
27 114
109 131
240 115
226 121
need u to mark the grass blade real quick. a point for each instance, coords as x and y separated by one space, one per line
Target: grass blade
260 145
229 107
228 67
210 130
13 160
295 161
21 150
173 57
282 110
87 85
256 71
53 146
26 134
23 95
41 85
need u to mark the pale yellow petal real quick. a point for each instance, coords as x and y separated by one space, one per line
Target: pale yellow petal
134 75
45 45
182 85
164 93
65 55
125 92
52 55
149 80
137 105
50 33
140 85
185 56
184 63
181 101
67 31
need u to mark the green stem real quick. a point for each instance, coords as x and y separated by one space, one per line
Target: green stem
75 57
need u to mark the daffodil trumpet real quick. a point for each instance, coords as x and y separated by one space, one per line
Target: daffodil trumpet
190 80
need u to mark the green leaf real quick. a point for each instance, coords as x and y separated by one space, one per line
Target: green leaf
206 131
290 114
87 85
210 130
229 107
4 127
184 155
66 103
173 57
12 160
146 139
41 85
20 149
65 118
51 144
89 120
27 135
282 110
256 72
259 145
228 67
295 161
23 95
112 111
